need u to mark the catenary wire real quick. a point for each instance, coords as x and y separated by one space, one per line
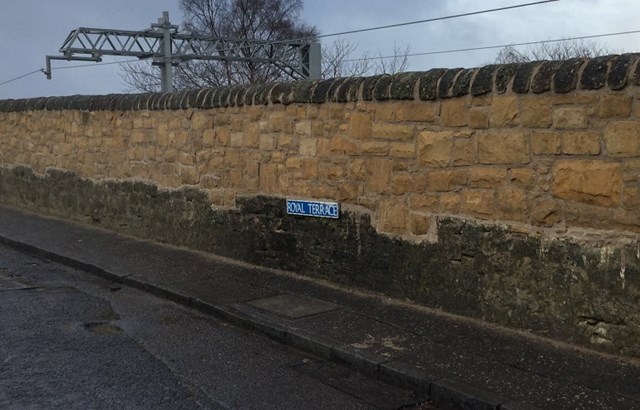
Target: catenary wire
450 51
430 20
528 43
328 35
39 70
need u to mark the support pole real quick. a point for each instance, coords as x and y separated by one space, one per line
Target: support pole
166 63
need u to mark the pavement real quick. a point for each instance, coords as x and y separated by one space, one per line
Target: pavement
456 362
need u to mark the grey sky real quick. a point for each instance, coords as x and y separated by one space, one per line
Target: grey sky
30 29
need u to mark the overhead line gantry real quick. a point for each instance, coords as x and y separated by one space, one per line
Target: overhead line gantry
300 59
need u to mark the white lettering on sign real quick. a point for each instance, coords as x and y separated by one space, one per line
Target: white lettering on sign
313 208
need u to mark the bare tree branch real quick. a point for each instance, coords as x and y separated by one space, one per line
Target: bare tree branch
251 19
337 61
558 50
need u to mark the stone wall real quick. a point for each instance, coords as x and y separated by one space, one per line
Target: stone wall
509 193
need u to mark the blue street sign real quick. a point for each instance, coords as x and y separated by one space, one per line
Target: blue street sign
313 208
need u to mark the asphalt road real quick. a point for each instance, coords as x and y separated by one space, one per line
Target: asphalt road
70 340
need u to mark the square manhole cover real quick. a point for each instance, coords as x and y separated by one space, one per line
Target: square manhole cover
293 306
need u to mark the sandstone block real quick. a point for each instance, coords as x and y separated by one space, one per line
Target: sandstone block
404 182
374 147
268 142
303 128
546 143
622 139
308 147
446 180
393 131
385 111
423 202
588 181
545 212
477 202
237 139
189 175
479 118
570 118
343 145
523 177
269 178
504 111
434 148
310 168
281 121
419 223
201 120
392 216
631 195
503 148
360 125
536 112
209 138
455 112
252 135
357 169
450 202
402 150
615 106
223 136
378 175
426 111
486 177
513 204
581 143
464 152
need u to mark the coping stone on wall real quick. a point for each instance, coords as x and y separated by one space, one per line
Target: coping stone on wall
594 74
463 82
483 81
321 90
332 93
278 92
504 75
445 86
369 86
403 86
614 72
541 81
619 71
381 90
301 92
566 77
523 76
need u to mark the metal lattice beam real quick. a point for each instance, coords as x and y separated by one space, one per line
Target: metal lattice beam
167 47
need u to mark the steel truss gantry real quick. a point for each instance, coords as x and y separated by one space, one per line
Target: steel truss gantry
167 47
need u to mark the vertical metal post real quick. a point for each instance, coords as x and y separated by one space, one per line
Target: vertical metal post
311 61
166 65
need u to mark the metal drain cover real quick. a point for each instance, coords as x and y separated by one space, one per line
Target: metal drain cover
293 306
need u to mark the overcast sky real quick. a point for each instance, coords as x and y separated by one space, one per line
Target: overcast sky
31 29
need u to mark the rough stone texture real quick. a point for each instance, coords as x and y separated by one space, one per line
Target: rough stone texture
594 75
504 75
542 147
523 76
536 77
566 78
560 288
483 82
588 181
542 79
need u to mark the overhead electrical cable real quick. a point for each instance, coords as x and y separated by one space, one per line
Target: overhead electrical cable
528 43
22 76
430 20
